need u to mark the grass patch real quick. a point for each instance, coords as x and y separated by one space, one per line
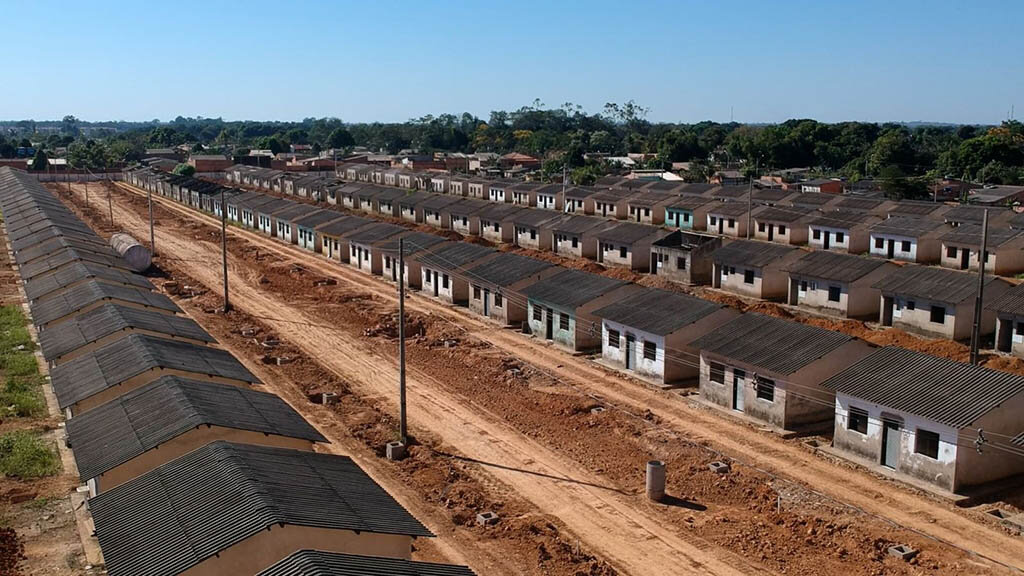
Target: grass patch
25 454
20 393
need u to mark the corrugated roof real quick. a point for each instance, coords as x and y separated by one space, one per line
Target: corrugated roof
1010 302
168 407
66 256
498 212
452 256
864 204
506 269
834 266
111 319
752 253
571 289
688 202
414 242
970 234
466 206
774 344
135 354
940 390
534 218
318 563
292 212
71 300
343 226
630 232
59 279
576 224
788 214
938 284
374 233
658 311
314 219
814 199
908 208
172 518
906 226
732 209
843 219
56 243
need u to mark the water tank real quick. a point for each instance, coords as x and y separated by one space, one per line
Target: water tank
135 254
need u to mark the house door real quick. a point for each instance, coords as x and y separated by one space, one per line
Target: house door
394 270
600 252
487 302
965 258
436 289
654 263
1004 337
891 251
827 238
721 225
771 232
739 381
630 350
890 444
549 324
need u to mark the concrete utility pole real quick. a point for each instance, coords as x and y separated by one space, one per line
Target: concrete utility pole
976 331
152 238
224 248
750 195
110 208
402 430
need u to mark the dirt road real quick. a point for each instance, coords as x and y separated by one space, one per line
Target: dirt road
629 535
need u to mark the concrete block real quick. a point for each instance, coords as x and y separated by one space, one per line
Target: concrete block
719 467
597 409
655 487
395 450
902 551
487 518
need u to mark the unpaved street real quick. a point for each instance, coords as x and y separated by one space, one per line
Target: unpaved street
608 518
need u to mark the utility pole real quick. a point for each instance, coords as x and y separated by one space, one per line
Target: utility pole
750 194
402 430
152 238
224 248
110 208
976 331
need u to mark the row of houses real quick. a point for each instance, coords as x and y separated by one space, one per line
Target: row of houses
920 232
190 467
785 374
838 283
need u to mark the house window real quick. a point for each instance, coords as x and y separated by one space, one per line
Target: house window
905 246
760 227
717 373
497 227
647 211
713 220
986 256
732 223
840 237
537 314
911 305
680 263
766 389
497 300
613 338
926 443
476 292
938 314
857 420
650 351
686 217
444 281
563 321
622 252
533 234
575 242
879 243
833 293
426 278
803 286
782 229
748 276
816 234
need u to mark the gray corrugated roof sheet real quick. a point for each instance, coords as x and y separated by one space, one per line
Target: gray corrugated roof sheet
774 344
343 226
318 563
453 256
786 214
731 192
414 242
71 300
571 289
1010 302
576 224
135 354
688 202
752 253
56 243
59 279
843 219
658 311
630 232
864 204
813 199
534 218
111 319
374 233
506 269
314 219
498 212
940 390
66 256
172 518
731 209
970 234
834 266
292 212
168 407
938 284
906 226
908 208
466 206
968 213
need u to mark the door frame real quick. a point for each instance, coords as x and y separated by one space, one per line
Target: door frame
889 426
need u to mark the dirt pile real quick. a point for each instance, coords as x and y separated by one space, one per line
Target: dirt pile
12 552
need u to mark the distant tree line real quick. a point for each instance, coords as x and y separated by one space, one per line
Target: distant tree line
902 155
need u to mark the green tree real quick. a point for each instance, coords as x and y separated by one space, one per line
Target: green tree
340 138
185 169
40 162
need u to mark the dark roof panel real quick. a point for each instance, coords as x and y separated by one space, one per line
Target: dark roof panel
374 233
658 311
1010 302
940 390
61 278
318 563
752 253
937 284
60 304
906 226
571 289
834 266
506 269
453 256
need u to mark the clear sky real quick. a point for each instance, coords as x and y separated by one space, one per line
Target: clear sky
764 60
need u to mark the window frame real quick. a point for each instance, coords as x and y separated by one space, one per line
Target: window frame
614 337
563 321
857 418
931 314
838 293
765 389
650 351
924 440
716 368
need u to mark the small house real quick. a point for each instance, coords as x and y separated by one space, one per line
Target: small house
332 237
443 269
496 222
929 419
496 285
549 197
1004 249
530 228
649 333
785 225
772 370
648 207
361 251
525 193
613 204
755 269
687 212
433 209
685 257
60 307
385 202
560 308
409 208
463 216
1009 310
841 231
477 188
822 186
574 235
335 563
908 239
627 244
305 228
935 301
729 219
412 243
840 284
265 214
577 200
499 192
284 221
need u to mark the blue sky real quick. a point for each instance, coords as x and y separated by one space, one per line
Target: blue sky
766 61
